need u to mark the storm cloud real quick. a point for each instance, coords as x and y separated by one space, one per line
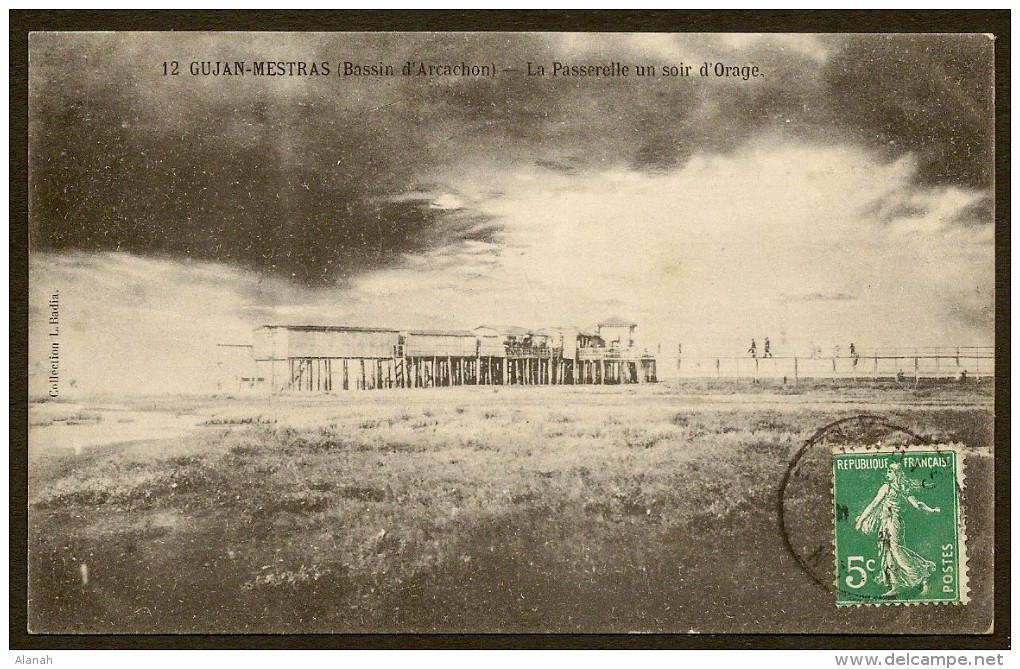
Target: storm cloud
309 178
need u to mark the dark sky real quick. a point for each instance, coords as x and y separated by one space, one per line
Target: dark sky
320 179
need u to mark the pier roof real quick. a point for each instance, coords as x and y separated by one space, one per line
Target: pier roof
330 328
617 322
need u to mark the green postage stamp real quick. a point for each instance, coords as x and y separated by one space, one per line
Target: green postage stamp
899 530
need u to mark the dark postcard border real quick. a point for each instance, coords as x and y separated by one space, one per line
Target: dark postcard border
996 22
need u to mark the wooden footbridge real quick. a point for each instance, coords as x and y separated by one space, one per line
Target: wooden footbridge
902 364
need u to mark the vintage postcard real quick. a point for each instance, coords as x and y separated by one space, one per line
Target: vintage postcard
510 332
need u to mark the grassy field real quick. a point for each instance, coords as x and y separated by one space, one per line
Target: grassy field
537 509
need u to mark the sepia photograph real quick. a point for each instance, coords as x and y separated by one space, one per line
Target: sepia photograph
510 333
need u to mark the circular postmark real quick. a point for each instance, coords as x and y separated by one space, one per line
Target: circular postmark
805 502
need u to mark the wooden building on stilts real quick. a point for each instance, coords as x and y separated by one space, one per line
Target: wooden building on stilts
331 358
325 358
440 358
609 355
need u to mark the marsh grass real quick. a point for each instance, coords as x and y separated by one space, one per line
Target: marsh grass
75 417
355 506
239 420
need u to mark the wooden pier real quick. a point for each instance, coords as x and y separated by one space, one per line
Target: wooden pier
325 359
943 362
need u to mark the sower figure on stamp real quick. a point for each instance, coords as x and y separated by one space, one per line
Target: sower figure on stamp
900 567
768 349
754 349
